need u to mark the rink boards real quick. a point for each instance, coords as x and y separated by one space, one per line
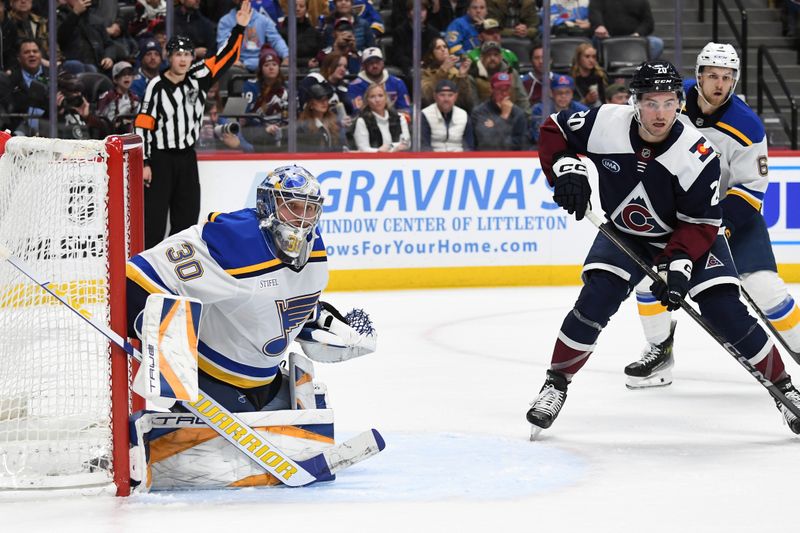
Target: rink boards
457 220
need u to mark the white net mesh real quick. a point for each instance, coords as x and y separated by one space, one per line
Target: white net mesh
54 368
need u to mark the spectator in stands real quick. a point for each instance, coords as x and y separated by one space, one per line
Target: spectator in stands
259 31
462 33
119 105
374 72
309 40
8 40
151 62
498 123
483 72
619 18
562 89
267 95
147 17
104 12
331 73
617 93
532 81
220 133
28 92
82 41
365 37
124 45
590 79
269 8
364 9
519 18
570 18
30 25
446 127
490 31
439 64
74 114
402 49
318 127
190 22
344 43
440 14
379 128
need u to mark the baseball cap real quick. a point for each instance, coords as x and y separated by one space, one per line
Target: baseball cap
149 46
120 67
500 79
489 46
562 81
490 24
446 85
319 91
371 53
343 24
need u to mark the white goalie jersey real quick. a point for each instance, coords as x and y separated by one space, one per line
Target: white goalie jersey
254 305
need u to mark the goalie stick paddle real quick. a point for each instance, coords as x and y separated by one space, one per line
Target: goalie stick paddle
611 234
232 428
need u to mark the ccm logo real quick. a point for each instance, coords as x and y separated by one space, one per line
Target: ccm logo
613 166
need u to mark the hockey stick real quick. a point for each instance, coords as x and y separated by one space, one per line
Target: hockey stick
229 426
794 355
611 234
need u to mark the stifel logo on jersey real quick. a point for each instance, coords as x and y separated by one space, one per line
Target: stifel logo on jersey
705 150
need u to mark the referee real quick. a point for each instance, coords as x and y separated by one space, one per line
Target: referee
169 122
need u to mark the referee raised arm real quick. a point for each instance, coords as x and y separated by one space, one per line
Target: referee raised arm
169 122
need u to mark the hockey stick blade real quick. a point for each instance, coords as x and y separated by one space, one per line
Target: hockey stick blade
611 234
266 455
775 333
346 454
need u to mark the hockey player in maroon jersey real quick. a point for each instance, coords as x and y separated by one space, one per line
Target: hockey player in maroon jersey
659 188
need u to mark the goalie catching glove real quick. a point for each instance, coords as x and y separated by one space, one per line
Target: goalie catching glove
332 338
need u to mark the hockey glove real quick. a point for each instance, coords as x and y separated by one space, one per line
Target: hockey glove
330 337
675 274
571 190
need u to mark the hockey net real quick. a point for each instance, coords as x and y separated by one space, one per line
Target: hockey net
65 210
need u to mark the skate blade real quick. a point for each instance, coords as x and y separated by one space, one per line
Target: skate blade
535 430
651 382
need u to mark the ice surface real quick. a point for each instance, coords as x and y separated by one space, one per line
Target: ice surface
449 388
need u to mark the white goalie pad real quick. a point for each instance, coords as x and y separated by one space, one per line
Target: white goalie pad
331 340
169 348
177 451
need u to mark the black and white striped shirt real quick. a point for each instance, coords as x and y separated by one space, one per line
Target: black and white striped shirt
171 115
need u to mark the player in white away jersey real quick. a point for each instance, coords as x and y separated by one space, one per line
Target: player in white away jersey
259 274
739 137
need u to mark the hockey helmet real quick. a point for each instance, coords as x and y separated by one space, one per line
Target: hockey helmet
289 204
718 55
179 43
656 77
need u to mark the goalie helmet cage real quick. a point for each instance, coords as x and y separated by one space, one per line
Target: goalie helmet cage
73 210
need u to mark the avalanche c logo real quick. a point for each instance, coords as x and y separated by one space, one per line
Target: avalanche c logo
611 165
637 218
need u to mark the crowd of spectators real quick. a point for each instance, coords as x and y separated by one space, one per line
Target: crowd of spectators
481 69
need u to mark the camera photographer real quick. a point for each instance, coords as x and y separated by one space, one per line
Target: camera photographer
75 120
344 42
219 133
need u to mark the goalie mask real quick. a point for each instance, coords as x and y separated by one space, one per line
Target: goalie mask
717 55
289 205
654 77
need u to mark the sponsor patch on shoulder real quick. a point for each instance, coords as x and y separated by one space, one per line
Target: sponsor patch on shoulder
611 165
702 148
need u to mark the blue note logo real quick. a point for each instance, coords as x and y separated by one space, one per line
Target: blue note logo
611 165
293 313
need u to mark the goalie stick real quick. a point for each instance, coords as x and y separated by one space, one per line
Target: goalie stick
228 425
795 355
611 234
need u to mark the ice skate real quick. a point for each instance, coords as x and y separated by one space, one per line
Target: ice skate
789 390
654 369
545 408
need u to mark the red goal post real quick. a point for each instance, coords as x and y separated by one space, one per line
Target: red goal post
73 210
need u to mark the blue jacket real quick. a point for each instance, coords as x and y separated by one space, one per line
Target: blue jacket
462 35
261 29
396 91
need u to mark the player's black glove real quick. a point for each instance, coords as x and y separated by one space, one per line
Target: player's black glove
571 189
675 274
